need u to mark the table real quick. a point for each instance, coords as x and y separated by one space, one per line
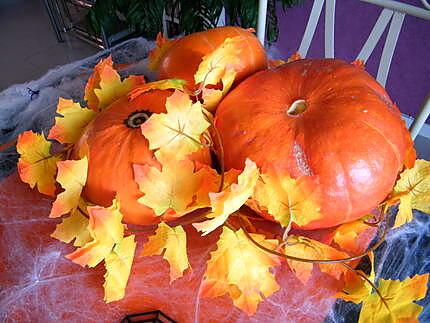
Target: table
38 284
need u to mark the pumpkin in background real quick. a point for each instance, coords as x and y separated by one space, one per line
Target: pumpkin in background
323 119
113 142
181 58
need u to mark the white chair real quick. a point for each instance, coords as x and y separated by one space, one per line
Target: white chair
392 14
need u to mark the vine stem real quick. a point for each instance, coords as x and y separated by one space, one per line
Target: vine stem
363 276
314 261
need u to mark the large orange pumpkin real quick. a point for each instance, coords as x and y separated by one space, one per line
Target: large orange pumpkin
182 59
113 142
323 118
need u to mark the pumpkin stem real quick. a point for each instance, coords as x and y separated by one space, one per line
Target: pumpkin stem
297 107
136 118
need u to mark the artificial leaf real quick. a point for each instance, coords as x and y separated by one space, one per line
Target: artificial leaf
287 199
230 199
413 189
118 265
356 288
75 226
72 175
163 44
70 125
172 243
347 236
399 297
238 268
171 188
178 132
219 66
306 248
36 165
294 57
105 86
106 230
359 63
169 84
274 63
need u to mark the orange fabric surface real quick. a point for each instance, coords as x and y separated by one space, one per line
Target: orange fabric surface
38 284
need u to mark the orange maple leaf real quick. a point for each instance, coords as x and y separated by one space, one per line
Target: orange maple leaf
172 188
287 199
230 199
163 44
105 229
302 247
169 84
220 65
118 266
172 243
36 165
72 175
75 226
105 86
70 125
178 132
347 236
238 268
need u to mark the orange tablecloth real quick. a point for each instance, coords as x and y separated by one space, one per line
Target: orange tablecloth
38 284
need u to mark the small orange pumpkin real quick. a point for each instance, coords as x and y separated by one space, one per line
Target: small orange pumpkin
181 58
322 118
113 142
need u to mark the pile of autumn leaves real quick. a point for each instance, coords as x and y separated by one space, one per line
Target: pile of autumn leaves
100 235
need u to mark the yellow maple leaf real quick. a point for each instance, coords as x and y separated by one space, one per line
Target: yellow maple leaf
169 84
356 288
106 230
36 165
72 175
70 125
240 269
219 66
118 266
306 248
75 226
105 86
399 297
346 236
171 188
178 132
172 243
230 199
287 199
413 189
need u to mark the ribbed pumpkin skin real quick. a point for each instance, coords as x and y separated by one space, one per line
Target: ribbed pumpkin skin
351 137
113 148
183 58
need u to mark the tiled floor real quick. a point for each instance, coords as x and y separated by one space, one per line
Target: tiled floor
28 47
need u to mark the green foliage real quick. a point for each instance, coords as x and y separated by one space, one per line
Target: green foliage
145 16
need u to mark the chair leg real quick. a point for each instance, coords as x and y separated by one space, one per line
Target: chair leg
421 118
52 17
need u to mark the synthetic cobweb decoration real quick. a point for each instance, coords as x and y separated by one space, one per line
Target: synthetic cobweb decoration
211 199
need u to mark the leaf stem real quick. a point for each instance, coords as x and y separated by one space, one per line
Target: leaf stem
363 276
